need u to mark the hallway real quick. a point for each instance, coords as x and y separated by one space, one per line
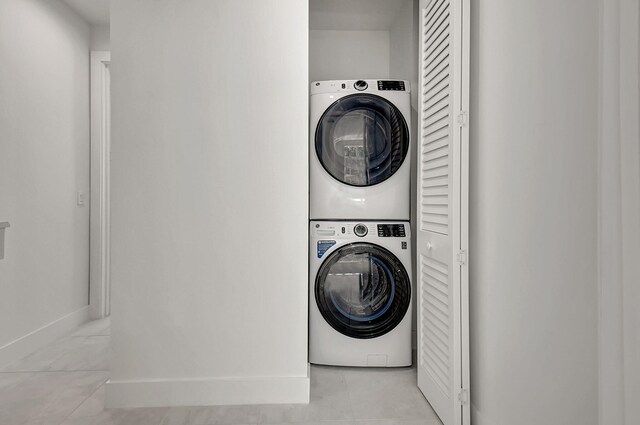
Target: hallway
63 384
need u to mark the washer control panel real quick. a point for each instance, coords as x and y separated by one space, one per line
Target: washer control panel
355 230
391 231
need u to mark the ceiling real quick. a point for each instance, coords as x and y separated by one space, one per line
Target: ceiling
96 12
353 14
323 14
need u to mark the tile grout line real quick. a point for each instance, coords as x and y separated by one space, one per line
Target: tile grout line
84 336
83 401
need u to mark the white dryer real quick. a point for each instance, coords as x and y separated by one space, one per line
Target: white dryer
360 293
360 150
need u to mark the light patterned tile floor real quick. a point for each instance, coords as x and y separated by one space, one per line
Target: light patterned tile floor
63 384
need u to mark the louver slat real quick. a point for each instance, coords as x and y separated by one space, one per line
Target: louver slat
436 119
434 321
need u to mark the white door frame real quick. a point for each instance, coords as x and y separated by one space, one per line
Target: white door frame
99 285
442 241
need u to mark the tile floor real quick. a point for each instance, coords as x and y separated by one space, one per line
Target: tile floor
63 384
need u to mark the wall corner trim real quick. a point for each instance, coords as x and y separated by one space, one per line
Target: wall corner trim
209 391
42 336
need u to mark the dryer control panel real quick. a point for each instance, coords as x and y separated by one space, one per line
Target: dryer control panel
359 86
395 85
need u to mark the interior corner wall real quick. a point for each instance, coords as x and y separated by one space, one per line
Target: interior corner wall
44 161
335 55
403 46
403 64
533 210
100 38
209 202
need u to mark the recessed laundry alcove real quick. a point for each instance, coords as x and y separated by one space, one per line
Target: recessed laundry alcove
368 39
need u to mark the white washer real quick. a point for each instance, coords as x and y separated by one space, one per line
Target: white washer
360 134
360 293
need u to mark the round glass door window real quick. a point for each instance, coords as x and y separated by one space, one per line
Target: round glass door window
362 139
363 290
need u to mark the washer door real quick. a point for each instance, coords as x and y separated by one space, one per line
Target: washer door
363 290
362 139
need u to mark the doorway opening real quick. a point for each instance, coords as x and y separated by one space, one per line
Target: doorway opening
99 243
358 47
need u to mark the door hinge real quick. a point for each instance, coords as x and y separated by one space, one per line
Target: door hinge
463 396
462 118
462 257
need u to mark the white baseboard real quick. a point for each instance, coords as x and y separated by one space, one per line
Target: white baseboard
209 392
15 350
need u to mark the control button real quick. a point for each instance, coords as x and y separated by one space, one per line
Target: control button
360 85
360 230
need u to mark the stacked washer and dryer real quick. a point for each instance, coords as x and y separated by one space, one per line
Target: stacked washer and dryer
360 238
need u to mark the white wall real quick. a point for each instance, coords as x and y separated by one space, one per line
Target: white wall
335 55
100 38
44 160
619 230
533 256
209 202
611 349
403 46
630 206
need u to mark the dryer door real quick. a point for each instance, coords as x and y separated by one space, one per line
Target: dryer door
363 290
362 139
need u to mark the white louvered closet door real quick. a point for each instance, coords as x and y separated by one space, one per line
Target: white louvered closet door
443 320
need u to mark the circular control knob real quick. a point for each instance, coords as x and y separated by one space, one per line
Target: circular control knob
360 85
360 230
